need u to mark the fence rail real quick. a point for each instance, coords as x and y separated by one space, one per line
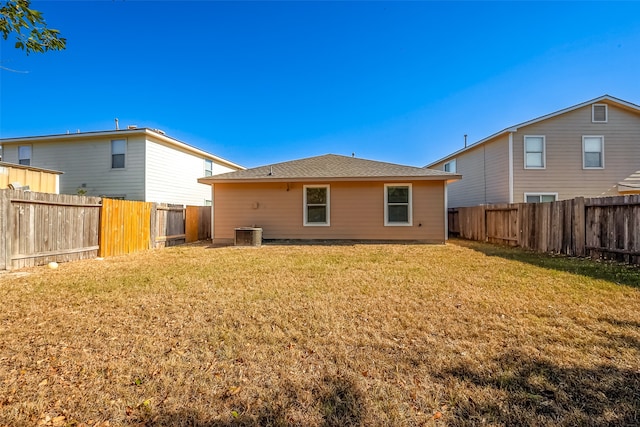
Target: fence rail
604 227
37 228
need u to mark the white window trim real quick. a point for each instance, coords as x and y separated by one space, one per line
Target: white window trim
544 152
455 166
126 149
540 193
386 204
304 206
606 113
602 152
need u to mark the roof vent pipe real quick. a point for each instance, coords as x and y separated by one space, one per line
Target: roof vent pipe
270 170
117 126
465 140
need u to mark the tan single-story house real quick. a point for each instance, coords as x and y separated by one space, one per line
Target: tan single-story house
332 197
22 177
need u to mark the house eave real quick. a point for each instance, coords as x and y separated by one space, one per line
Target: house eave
213 180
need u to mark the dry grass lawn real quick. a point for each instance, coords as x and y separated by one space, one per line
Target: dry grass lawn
406 335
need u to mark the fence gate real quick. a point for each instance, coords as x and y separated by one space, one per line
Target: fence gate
124 227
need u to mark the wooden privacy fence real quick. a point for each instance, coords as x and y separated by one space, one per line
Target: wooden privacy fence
37 228
125 227
603 227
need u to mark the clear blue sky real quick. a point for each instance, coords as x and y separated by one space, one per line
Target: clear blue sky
263 82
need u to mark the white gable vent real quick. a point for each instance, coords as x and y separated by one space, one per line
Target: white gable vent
599 113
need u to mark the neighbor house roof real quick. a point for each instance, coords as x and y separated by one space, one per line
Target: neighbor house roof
630 184
155 133
31 168
621 103
331 167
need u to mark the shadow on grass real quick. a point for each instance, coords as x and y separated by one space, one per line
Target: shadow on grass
605 270
526 391
335 399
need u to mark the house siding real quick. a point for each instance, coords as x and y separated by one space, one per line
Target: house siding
485 175
88 161
171 175
564 173
356 211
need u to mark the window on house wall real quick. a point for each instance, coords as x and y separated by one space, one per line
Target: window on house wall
24 155
540 197
534 152
450 166
208 167
397 204
316 205
593 152
599 113
118 152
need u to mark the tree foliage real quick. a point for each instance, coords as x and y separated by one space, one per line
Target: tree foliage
29 27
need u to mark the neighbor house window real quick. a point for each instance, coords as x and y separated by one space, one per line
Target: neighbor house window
599 113
593 152
118 151
316 205
534 152
397 204
208 167
24 155
450 166
540 197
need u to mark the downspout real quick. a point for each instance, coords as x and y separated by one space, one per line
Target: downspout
446 213
213 214
510 167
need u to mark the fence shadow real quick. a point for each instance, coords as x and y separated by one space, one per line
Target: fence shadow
335 398
622 274
522 390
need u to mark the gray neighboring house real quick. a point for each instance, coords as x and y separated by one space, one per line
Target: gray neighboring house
590 149
132 164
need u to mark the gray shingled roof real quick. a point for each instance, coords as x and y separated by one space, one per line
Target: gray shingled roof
630 183
330 166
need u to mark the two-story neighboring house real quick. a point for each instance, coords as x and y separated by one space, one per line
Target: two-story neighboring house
131 164
591 149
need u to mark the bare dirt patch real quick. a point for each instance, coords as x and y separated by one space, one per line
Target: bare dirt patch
462 334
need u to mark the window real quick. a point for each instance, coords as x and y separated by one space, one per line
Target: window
593 152
24 155
316 205
450 166
599 113
118 151
540 197
534 155
397 204
208 167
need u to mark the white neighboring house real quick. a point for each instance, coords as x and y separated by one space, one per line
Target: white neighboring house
132 164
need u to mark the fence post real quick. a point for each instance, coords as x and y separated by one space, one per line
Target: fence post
153 234
579 226
5 225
